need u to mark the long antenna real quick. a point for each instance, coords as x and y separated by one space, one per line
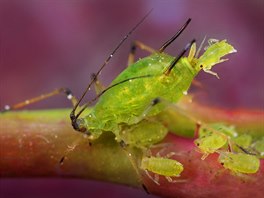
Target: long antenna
72 114
168 42
174 62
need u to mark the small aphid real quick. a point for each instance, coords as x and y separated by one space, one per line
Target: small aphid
223 128
239 162
210 143
215 136
162 166
258 146
243 141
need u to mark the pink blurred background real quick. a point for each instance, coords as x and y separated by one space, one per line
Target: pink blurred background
48 44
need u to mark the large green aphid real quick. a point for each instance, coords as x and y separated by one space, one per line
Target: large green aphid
239 162
140 92
136 93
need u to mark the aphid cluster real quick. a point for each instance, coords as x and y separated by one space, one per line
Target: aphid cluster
237 153
129 105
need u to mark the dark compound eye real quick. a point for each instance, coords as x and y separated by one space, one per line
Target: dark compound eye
201 66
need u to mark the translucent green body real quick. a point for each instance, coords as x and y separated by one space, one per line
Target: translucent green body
210 143
162 166
258 146
128 105
127 102
240 162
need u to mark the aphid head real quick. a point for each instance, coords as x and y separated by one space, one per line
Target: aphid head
212 55
79 125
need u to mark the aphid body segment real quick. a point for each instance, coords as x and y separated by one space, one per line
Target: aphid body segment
129 102
239 162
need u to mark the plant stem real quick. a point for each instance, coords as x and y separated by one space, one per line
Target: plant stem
33 143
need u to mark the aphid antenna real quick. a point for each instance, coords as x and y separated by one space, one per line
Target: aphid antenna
174 62
245 150
108 88
72 114
168 42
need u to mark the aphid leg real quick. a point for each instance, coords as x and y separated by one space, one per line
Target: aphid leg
155 179
98 86
145 189
131 158
205 155
212 73
169 179
197 128
70 148
134 46
159 153
65 91
170 154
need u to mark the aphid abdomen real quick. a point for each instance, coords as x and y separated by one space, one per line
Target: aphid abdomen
162 166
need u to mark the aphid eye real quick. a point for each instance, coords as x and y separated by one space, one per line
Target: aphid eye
197 144
201 66
222 163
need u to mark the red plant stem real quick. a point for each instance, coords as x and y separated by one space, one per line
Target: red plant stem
33 143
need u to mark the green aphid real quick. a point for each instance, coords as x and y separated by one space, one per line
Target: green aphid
243 141
128 106
223 128
258 146
240 162
141 134
139 91
162 166
210 143
212 137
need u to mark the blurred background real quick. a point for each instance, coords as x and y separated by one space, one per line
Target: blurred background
48 44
